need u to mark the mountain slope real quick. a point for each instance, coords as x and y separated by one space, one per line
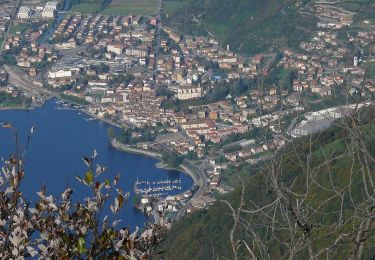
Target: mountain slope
249 26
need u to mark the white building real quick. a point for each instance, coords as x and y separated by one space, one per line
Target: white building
189 92
115 48
355 61
49 10
66 45
24 12
60 74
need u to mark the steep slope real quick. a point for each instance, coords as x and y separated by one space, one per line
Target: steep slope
318 205
249 26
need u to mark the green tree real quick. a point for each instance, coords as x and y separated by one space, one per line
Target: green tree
111 133
172 159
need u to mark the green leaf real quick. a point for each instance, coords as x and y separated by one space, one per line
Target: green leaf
89 177
107 183
81 245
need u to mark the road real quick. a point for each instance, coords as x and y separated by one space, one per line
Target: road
157 38
10 24
200 179
292 124
20 82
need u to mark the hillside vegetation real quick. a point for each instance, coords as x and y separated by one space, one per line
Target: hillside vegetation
249 26
314 200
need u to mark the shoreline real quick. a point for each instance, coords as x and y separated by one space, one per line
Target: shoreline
108 121
83 110
17 108
164 166
183 168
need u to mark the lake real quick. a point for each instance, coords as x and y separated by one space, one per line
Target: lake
61 138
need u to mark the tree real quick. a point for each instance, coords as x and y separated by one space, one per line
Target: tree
111 133
164 91
9 59
239 87
172 159
290 210
102 68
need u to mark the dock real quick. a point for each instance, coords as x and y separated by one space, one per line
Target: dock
156 188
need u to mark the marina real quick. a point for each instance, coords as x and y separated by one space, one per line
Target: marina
158 188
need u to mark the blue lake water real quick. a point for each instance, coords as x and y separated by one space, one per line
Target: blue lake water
61 138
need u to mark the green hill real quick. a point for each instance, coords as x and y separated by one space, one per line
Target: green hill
249 26
316 198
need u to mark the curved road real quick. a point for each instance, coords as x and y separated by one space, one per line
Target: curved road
199 178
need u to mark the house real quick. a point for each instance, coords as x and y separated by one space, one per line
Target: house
32 72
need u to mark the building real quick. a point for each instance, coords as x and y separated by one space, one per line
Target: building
355 61
115 48
138 52
60 74
199 126
24 12
189 92
49 10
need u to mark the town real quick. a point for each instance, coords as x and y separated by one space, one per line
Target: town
187 100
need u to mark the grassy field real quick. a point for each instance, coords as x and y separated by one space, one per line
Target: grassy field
172 6
19 28
136 7
86 8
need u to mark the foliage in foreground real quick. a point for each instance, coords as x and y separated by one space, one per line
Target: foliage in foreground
60 228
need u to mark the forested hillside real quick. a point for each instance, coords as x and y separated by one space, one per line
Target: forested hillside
314 200
249 26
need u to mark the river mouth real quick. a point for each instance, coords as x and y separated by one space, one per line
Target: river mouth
61 138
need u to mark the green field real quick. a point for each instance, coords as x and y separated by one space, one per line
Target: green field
172 6
86 8
19 28
117 7
136 7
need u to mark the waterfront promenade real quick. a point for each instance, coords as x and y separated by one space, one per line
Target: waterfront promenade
116 144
